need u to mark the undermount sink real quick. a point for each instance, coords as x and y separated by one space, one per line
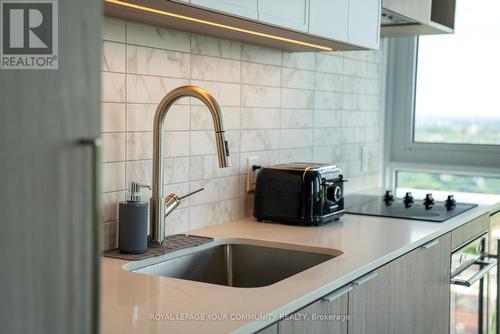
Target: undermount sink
236 263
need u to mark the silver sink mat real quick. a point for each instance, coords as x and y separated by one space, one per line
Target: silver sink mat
172 243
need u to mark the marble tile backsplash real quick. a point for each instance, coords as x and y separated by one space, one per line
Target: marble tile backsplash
279 106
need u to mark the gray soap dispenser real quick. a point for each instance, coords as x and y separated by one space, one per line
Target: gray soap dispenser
133 222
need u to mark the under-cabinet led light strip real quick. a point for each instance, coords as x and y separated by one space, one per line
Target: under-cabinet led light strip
214 24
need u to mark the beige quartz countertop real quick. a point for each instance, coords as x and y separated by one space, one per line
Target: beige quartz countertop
130 300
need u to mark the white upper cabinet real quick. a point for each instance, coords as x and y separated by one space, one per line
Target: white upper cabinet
364 23
245 8
329 18
293 14
344 24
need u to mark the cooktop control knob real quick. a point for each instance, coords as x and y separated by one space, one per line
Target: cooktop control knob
408 200
388 197
428 201
450 203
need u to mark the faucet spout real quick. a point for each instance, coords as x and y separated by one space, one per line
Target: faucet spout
157 202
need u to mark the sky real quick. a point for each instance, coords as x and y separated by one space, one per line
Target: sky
459 74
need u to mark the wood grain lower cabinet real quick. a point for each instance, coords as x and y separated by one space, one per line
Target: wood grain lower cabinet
325 316
273 329
408 295
372 302
429 287
470 231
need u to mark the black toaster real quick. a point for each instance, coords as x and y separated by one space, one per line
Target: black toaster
299 193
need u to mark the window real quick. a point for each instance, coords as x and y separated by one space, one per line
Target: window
465 187
443 106
457 89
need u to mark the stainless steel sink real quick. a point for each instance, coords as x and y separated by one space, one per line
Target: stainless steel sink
238 263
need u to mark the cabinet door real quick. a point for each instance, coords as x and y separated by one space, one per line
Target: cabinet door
372 303
245 8
273 329
429 296
49 257
293 14
364 23
329 18
325 316
398 296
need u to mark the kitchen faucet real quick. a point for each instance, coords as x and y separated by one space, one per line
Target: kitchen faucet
159 206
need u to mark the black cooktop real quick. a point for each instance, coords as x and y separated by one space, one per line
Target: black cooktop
406 207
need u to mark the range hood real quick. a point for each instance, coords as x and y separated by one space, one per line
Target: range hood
402 18
390 18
